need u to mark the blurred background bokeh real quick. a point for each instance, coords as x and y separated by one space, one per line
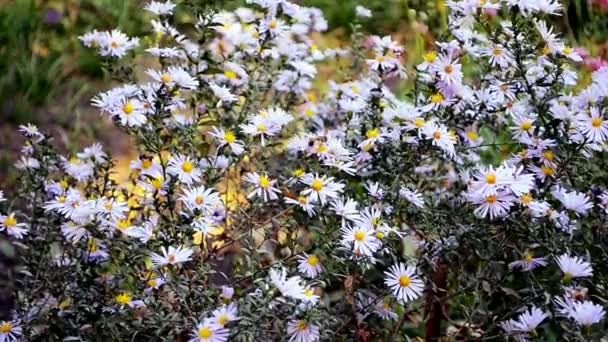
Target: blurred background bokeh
47 77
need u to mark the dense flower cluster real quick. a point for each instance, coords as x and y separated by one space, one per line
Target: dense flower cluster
259 207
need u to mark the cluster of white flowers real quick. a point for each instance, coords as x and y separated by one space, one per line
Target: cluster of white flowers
357 187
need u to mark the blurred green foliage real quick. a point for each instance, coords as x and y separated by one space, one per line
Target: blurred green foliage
41 59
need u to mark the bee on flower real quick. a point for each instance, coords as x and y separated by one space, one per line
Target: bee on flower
224 315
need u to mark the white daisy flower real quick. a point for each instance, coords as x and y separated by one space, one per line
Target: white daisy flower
528 262
403 282
208 331
264 186
160 8
573 267
10 331
9 224
440 137
361 240
321 188
224 314
586 313
289 287
304 204
593 126
222 93
227 137
171 256
309 265
185 169
525 324
302 331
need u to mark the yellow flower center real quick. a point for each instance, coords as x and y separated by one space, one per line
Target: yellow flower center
321 148
497 52
61 199
380 235
309 113
123 298
230 74
546 50
419 122
472 135
264 182
157 183
152 283
313 260
302 200
528 257
526 198
10 221
128 107
301 325
359 235
229 137
165 78
146 163
261 128
404 281
437 98
205 332
448 69
567 50
491 199
5 328
491 178
548 155
526 125
187 166
430 56
222 319
272 24
317 184
199 200
298 172
548 171
114 44
92 246
64 184
436 135
596 122
372 133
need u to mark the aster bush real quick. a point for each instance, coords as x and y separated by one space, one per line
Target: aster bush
468 203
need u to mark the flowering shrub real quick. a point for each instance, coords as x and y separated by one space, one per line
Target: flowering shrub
471 206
